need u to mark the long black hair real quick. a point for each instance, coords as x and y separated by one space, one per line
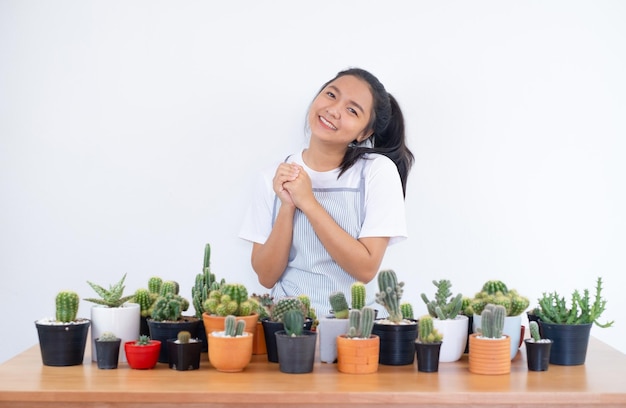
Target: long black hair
387 124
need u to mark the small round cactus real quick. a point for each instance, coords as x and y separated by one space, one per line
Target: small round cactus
183 337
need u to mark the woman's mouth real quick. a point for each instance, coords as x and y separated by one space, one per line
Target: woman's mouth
327 123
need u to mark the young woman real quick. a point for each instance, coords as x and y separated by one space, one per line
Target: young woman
323 218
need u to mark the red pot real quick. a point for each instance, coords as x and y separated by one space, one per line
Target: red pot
142 357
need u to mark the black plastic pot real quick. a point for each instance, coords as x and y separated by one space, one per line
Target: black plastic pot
63 345
269 331
427 356
163 331
296 355
569 342
184 357
108 354
538 355
396 343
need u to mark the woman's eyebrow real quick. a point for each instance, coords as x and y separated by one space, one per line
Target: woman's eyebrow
334 88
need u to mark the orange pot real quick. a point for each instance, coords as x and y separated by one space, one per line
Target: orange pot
489 356
258 344
230 354
216 323
357 356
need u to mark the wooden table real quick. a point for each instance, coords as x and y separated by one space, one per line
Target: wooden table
26 382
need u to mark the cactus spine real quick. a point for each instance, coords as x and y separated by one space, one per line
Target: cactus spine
66 306
154 285
426 330
294 322
357 293
390 294
339 305
143 298
492 321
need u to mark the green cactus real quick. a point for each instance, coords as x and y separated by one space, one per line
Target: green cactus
390 294
492 321
339 305
204 281
233 327
66 306
183 336
143 298
108 336
426 330
361 323
534 330
143 340
357 293
496 292
230 299
407 311
443 306
154 285
294 322
169 287
168 307
285 304
491 287
113 297
264 303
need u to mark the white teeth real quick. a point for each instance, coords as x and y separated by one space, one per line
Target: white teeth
327 123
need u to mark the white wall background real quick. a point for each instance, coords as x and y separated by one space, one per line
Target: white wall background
131 131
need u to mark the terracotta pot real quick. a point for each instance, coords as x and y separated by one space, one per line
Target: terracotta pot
357 356
142 357
216 323
258 344
489 356
513 328
230 354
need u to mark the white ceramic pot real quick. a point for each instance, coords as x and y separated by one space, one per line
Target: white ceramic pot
512 328
122 321
454 333
329 328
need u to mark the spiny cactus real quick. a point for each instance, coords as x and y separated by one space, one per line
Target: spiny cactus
169 286
107 336
309 312
294 322
426 330
361 323
154 285
183 337
111 297
144 298
390 294
357 293
339 305
496 292
204 282
407 310
169 307
66 306
264 303
233 327
442 307
534 330
143 340
492 321
285 304
230 299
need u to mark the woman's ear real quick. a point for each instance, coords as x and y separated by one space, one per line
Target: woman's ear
364 136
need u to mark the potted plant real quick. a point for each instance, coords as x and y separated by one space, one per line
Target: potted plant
275 323
428 345
230 350
569 326
166 318
296 346
205 282
497 293
445 311
184 352
264 304
229 299
397 333
332 326
145 298
358 348
143 353
489 350
537 349
113 312
108 349
62 340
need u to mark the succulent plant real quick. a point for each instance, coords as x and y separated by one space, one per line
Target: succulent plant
496 292
294 322
145 300
357 293
66 306
492 321
154 285
443 306
233 327
407 310
230 299
112 297
554 309
339 305
169 286
143 340
285 304
108 336
169 307
309 312
390 294
534 330
426 330
361 323
204 283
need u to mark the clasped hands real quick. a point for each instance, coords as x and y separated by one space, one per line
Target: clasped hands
293 185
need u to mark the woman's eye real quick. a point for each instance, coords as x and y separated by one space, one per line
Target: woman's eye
330 94
353 111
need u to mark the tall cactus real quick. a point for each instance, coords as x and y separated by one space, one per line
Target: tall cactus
339 304
66 306
390 294
357 293
204 282
492 321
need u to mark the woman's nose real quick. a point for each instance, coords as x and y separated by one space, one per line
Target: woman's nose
333 111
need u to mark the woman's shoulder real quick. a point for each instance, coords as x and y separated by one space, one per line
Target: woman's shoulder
377 161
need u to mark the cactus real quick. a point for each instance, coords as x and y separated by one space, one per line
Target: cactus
426 330
407 311
230 299
496 292
108 336
285 304
390 294
357 293
339 305
183 337
111 297
143 298
361 323
143 340
264 304
154 285
204 282
168 307
492 321
534 330
294 322
233 327
442 307
169 287
66 306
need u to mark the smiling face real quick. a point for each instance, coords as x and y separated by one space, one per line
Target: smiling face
341 112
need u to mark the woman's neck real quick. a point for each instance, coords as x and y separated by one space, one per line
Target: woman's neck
322 160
